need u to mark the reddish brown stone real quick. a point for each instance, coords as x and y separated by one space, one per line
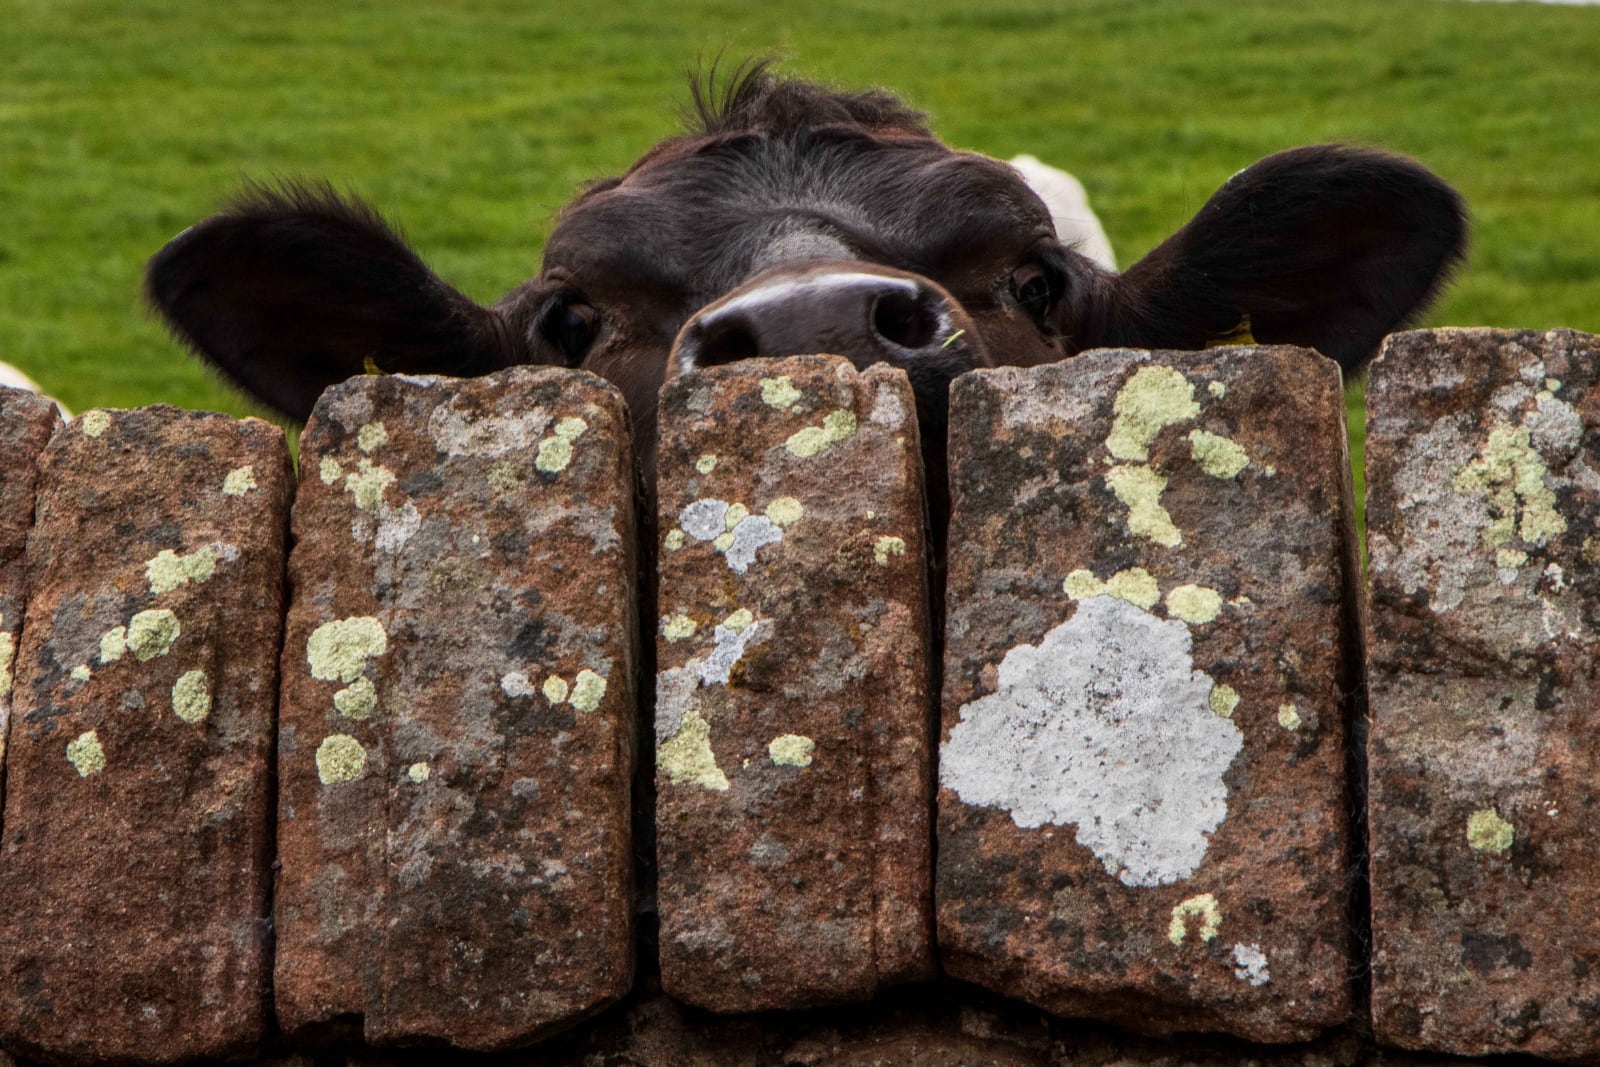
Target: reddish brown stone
1483 472
1142 804
134 866
456 728
26 422
792 705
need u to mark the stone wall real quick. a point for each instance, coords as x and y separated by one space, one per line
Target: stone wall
469 741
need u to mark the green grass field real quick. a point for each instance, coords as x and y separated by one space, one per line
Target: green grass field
471 123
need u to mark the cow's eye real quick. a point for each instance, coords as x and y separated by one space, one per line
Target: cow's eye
1037 287
571 326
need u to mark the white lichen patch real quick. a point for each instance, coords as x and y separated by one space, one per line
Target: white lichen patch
886 546
239 481
371 437
358 701
836 426
96 423
1194 603
1202 908
151 633
84 751
1511 475
791 750
466 430
704 519
1250 965
678 627
329 470
338 651
785 511
80 673
731 529
1217 455
1151 399
340 758
516 684
732 637
706 463
1488 832
1139 489
779 392
1222 701
555 689
686 757
1135 585
588 689
113 644
1106 725
418 772
396 526
1289 717
367 483
191 697
168 570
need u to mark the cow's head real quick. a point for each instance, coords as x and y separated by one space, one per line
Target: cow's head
794 219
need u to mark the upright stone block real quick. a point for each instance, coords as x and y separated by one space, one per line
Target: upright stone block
456 729
792 703
135 862
26 423
1142 802
1483 474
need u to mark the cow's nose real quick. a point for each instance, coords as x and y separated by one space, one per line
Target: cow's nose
866 317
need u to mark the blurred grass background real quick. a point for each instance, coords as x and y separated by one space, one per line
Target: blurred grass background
471 123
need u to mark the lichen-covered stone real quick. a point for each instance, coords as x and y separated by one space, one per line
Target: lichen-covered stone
26 422
135 865
1483 473
1142 803
456 729
792 702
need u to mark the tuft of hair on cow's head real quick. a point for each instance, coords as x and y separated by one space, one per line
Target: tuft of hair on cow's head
790 218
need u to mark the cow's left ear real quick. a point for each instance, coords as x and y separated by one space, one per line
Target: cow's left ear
1328 246
296 288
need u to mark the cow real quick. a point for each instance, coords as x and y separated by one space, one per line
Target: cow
790 217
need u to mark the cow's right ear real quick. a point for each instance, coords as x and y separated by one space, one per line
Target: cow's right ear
296 288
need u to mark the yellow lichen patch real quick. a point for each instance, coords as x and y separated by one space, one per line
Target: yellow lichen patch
555 689
1081 584
735 514
8 653
785 511
80 673
113 644
340 758
1135 585
372 437
1551 385
1510 474
779 392
1217 389
191 696
588 689
1289 716
571 428
837 426
1488 832
739 621
678 627
168 570
151 633
239 481
1218 456
687 758
84 752
555 451
368 483
1194 603
1140 489
1223 699
723 542
673 541
706 463
96 423
338 651
1203 907
886 546
329 470
791 750
1154 397
1509 559
358 701
503 476
417 772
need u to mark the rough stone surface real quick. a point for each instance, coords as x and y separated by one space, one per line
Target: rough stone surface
456 728
26 422
135 862
1142 803
1483 468
792 699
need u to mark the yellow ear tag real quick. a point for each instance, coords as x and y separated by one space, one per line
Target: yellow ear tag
370 365
1239 335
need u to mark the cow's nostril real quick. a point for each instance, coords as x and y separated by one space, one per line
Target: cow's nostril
725 342
907 319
